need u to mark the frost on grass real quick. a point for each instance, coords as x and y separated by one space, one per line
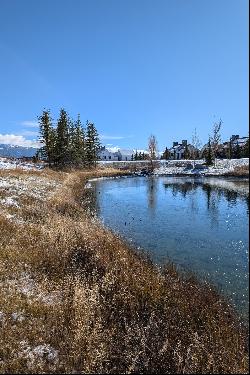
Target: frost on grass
16 191
6 163
39 355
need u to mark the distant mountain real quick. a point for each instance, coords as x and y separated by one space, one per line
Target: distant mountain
12 151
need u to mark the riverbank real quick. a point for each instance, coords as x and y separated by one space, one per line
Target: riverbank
222 167
75 298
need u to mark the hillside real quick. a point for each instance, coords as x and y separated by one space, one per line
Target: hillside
13 151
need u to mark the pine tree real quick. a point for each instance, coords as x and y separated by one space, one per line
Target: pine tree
76 142
186 152
47 137
245 151
237 151
209 153
80 154
62 139
136 155
230 150
165 154
92 144
72 140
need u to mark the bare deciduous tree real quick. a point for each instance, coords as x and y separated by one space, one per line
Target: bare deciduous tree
196 143
152 149
216 139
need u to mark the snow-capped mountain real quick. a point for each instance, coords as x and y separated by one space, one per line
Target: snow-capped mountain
13 151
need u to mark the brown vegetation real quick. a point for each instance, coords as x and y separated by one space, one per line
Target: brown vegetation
242 171
76 299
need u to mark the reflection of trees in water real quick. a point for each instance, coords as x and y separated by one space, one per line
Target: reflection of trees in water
213 196
247 203
182 188
152 189
231 197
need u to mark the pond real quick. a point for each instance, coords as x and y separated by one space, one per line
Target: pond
201 224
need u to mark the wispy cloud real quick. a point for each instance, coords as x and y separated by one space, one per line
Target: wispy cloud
111 137
29 133
29 124
18 140
113 149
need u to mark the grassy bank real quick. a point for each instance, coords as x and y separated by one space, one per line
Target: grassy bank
76 299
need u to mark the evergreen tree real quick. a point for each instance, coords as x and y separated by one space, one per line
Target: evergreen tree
47 137
92 144
186 152
230 150
136 155
165 154
245 151
72 141
62 139
237 151
77 142
209 153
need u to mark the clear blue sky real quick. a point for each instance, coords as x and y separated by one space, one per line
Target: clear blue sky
134 67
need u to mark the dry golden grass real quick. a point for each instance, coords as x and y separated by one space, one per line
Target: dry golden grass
242 171
76 299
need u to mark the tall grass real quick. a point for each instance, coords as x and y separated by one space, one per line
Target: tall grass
88 303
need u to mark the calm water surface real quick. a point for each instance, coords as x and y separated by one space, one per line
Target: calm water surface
200 224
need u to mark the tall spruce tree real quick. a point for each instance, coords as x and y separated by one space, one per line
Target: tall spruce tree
47 137
245 151
72 137
230 149
92 144
165 154
79 143
62 139
209 153
237 151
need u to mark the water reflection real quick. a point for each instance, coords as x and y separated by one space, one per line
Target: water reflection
201 224
213 190
152 188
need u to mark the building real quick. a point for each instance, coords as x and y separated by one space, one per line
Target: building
181 150
119 155
125 154
236 140
106 155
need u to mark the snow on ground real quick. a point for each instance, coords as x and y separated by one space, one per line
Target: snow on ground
16 190
6 163
189 167
179 167
38 355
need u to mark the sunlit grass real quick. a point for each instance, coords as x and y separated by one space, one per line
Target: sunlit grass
75 298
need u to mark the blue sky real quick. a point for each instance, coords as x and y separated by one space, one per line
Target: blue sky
134 67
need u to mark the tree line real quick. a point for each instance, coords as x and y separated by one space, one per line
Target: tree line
67 143
213 149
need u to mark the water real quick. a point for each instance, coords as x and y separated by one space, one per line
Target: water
199 224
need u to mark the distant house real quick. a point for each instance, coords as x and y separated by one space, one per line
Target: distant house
125 154
230 147
238 141
107 155
119 155
179 150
